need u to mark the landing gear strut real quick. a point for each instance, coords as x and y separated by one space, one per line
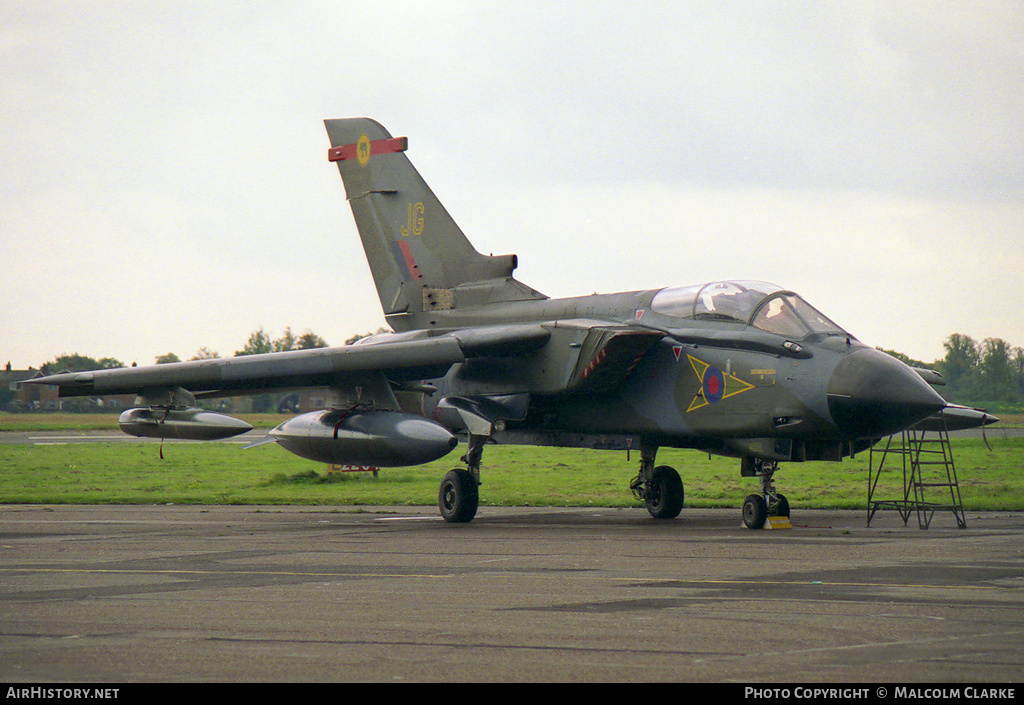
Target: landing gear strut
757 508
459 494
659 488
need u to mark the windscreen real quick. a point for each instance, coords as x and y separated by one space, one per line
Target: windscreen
791 316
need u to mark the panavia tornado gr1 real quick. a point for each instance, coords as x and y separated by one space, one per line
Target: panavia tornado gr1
745 369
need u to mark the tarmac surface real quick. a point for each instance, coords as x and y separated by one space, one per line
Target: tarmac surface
184 593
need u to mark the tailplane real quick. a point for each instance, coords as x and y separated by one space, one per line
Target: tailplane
422 263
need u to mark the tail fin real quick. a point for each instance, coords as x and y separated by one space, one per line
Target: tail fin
422 263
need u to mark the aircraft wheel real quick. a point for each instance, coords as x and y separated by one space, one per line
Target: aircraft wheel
458 497
755 512
664 493
782 508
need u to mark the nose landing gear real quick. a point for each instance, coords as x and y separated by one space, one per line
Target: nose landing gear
758 508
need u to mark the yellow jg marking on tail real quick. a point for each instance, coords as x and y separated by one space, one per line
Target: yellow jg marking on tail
414 224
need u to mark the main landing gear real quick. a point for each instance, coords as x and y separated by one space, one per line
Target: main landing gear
659 488
459 494
757 508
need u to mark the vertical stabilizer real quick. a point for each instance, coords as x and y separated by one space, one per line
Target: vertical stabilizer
422 263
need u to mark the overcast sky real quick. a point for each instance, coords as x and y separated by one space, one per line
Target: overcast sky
165 183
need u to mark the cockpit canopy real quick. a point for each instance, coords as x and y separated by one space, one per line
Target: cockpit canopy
760 304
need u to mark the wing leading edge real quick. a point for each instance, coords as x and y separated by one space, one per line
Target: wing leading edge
407 359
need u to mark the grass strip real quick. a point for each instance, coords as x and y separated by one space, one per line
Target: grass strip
223 473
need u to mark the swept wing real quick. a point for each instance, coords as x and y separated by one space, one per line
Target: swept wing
420 358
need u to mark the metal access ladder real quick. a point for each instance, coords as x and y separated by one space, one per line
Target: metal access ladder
926 460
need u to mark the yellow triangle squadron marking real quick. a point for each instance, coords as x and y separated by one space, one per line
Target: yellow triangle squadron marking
733 385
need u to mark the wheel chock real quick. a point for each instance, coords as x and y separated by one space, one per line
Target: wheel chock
777 523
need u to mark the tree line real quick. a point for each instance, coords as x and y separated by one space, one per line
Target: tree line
989 373
983 372
259 342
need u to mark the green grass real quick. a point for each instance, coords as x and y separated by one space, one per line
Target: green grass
222 473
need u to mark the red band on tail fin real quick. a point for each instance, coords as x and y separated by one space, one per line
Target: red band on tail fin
351 151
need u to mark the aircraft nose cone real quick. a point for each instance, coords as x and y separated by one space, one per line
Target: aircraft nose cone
871 395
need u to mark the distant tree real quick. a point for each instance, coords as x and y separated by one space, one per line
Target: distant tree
205 353
907 359
78 363
360 336
1017 362
285 342
992 371
167 357
995 369
959 366
306 341
259 343
310 340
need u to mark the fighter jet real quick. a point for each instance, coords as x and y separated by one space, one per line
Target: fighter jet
745 369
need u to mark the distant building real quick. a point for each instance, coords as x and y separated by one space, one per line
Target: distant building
37 397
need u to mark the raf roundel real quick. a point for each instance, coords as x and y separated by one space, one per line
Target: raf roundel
714 384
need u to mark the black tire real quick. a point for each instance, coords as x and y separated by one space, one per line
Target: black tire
664 493
755 512
458 496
